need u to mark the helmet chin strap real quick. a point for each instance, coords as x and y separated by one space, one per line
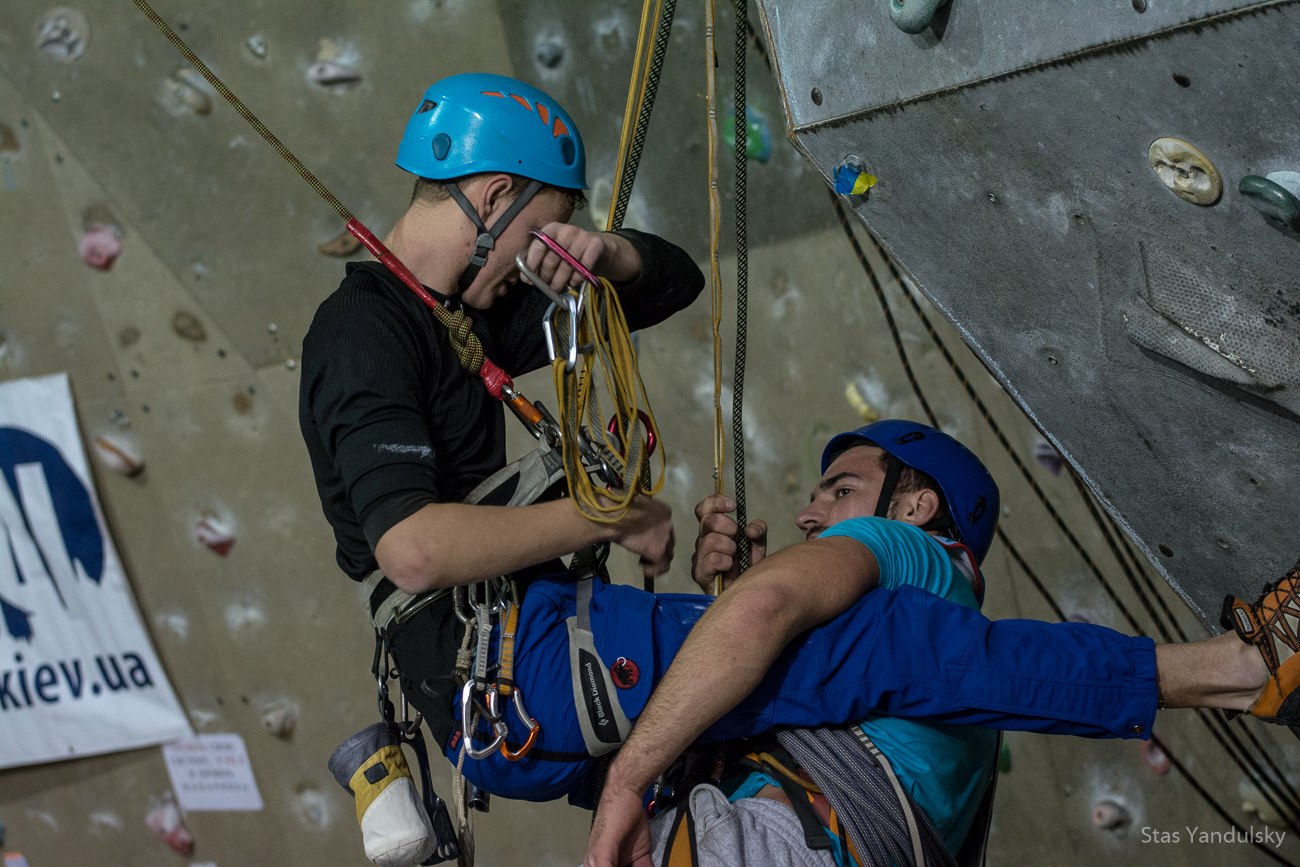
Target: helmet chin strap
486 237
887 487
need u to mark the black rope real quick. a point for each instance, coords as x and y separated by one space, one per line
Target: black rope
1002 536
1274 788
742 284
1014 553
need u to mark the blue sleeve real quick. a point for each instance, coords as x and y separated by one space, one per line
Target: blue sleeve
908 556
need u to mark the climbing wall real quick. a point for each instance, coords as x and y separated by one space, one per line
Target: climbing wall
1108 213
156 250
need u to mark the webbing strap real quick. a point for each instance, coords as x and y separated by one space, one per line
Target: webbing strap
506 656
887 488
682 850
584 603
486 241
881 822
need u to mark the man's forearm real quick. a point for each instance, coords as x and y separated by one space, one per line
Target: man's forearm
734 644
447 544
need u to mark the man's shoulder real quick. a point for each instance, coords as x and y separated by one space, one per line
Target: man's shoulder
908 556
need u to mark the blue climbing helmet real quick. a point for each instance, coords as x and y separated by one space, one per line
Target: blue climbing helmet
478 122
968 490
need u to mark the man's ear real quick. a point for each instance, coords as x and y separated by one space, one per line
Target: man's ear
493 195
916 507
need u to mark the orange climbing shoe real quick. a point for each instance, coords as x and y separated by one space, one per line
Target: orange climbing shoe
1272 626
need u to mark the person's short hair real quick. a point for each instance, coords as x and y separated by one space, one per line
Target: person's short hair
911 479
430 191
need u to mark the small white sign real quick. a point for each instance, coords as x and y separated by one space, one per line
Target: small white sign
212 773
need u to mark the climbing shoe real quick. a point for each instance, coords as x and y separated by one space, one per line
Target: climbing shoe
1271 624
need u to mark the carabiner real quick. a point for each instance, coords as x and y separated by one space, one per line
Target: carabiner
571 306
469 714
555 247
408 725
534 728
537 281
643 419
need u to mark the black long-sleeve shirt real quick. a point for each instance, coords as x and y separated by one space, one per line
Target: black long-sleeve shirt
391 420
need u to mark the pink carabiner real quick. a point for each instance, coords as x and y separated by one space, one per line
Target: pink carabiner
555 247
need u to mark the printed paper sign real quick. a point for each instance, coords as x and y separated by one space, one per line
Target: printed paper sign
212 772
78 675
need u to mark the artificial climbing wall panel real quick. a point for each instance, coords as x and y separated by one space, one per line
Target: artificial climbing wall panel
1154 337
185 349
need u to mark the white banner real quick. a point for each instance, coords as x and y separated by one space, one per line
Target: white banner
78 675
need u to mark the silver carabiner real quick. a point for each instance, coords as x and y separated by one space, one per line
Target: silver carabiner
571 305
469 717
536 280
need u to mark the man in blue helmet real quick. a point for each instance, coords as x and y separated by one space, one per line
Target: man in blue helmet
896 529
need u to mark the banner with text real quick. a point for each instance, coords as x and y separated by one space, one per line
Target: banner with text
78 675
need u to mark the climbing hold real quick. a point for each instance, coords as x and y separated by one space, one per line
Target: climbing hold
758 135
331 67
1279 205
63 34
256 45
8 140
913 16
165 820
1185 170
332 72
187 90
100 245
188 327
1108 815
852 179
1263 808
215 534
549 52
342 245
118 455
853 394
1048 457
1155 757
280 717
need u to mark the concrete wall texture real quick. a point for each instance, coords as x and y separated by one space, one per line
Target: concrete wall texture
186 349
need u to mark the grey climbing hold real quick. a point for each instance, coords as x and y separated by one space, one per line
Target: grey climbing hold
1280 206
63 34
914 16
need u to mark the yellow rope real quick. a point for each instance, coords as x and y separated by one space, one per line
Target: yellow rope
715 230
636 95
609 367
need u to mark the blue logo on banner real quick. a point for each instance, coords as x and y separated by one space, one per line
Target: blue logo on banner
73 509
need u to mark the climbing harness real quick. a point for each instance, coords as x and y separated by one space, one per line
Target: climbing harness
871 818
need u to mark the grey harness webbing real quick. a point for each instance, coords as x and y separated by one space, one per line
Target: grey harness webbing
601 718
878 816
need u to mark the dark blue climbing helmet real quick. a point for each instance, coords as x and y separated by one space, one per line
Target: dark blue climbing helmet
477 122
968 490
